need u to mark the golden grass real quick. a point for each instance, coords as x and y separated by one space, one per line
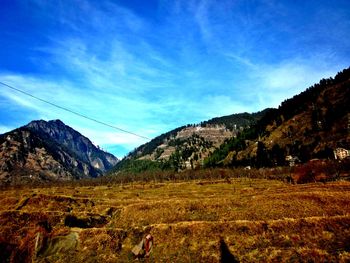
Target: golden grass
255 219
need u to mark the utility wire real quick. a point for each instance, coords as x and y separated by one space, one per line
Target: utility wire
73 112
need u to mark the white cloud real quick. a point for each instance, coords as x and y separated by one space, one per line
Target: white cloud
221 105
205 59
201 14
4 129
275 83
291 75
240 59
138 116
102 137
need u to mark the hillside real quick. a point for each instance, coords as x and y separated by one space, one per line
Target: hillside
42 151
236 121
186 147
309 125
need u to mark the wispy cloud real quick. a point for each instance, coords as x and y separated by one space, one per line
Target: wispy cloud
190 61
273 83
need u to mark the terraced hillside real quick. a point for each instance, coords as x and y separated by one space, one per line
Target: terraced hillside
200 221
186 147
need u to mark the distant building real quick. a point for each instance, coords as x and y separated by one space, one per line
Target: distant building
341 153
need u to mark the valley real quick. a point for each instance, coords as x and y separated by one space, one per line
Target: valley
271 186
174 131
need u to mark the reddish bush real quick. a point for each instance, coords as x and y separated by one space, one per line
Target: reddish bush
316 171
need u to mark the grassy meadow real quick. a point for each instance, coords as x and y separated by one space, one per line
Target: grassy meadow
234 219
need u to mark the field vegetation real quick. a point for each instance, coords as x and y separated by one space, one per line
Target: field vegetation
213 216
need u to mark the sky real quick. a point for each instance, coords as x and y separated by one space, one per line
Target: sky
152 66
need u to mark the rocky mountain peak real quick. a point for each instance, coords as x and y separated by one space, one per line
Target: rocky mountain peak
50 150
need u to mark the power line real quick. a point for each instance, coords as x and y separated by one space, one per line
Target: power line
74 112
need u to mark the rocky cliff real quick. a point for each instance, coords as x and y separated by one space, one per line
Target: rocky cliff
48 151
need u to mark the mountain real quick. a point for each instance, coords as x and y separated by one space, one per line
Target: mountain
233 121
48 151
310 125
187 146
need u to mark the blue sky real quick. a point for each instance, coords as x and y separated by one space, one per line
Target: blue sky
151 66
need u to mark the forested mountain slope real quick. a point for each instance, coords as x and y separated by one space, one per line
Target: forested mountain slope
186 147
309 125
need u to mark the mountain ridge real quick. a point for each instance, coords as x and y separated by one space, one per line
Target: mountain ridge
75 141
321 112
49 151
187 146
309 125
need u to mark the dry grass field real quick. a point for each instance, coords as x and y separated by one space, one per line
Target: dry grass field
245 220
